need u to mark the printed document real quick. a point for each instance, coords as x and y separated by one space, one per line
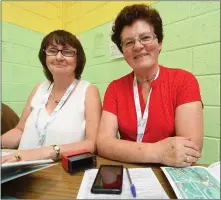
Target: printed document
195 182
144 179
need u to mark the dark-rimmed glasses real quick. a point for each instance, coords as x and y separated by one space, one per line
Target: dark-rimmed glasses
64 52
144 38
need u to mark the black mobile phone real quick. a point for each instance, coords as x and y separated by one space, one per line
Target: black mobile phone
109 180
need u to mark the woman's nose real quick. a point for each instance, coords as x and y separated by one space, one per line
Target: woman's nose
138 45
59 56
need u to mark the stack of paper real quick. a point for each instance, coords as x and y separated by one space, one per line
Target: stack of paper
144 179
14 170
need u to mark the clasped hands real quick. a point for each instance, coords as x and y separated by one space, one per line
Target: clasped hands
177 151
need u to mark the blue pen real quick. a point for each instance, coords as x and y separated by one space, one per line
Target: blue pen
132 187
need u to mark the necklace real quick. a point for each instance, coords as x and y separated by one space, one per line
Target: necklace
54 98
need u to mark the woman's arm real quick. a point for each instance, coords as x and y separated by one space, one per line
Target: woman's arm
171 151
92 115
110 146
11 139
189 122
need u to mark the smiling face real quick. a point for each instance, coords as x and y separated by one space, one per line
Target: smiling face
59 64
140 56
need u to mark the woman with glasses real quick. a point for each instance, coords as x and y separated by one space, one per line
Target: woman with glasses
62 114
157 110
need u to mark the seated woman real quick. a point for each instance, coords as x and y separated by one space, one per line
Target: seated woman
157 110
62 114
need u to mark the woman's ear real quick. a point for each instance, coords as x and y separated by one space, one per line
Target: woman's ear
160 47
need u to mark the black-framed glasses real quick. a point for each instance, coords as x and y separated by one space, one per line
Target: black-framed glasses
144 38
64 52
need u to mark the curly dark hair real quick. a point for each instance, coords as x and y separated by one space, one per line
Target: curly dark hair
129 14
62 37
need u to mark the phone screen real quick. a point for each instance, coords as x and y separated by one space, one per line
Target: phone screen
108 180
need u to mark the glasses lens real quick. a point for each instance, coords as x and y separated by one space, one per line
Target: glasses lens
51 52
68 53
146 38
65 52
128 43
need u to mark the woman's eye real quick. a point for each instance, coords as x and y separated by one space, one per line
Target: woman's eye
146 38
52 50
129 43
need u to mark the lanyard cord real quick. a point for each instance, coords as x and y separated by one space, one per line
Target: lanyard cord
42 130
141 122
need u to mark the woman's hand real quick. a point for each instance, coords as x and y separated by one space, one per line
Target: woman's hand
25 155
177 151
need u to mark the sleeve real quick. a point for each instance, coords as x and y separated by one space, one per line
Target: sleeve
110 99
188 90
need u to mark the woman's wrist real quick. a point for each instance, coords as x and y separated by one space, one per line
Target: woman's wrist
157 155
51 153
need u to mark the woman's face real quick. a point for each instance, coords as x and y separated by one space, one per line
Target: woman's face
137 55
61 64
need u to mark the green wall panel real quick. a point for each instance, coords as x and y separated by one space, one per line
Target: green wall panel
177 59
206 59
20 94
21 69
210 153
193 31
21 73
180 11
106 72
197 8
14 53
210 89
212 121
17 35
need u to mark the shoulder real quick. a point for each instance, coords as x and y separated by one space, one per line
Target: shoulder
92 95
177 75
92 89
41 86
83 84
38 91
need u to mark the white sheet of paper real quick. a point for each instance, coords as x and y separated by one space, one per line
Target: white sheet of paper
5 153
22 163
144 179
215 170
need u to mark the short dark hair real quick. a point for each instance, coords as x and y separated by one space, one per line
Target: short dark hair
129 14
62 37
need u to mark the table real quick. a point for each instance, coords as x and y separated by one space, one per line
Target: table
55 183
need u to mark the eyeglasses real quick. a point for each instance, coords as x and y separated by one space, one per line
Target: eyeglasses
64 52
144 38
